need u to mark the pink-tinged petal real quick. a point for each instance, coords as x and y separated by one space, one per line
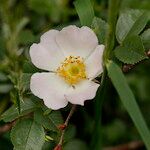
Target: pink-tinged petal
84 90
94 62
50 88
48 40
53 105
77 41
47 55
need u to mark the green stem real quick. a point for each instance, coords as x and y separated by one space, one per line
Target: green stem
97 133
110 37
66 124
109 45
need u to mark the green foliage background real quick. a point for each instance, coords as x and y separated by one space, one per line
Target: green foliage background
22 22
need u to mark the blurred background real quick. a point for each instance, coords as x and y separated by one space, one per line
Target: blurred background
22 22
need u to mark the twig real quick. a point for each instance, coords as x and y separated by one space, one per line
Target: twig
66 123
6 127
63 128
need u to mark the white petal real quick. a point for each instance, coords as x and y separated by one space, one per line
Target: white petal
50 88
51 103
94 62
77 41
48 40
85 90
47 55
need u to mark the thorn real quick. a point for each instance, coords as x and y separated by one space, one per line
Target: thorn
62 127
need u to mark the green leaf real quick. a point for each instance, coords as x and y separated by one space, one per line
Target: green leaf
3 77
25 81
56 117
5 88
12 113
28 67
85 11
131 51
49 121
27 135
45 120
129 101
70 133
2 48
26 37
16 99
38 5
131 22
135 4
21 24
100 27
146 38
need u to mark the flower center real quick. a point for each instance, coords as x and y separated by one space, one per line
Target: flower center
72 70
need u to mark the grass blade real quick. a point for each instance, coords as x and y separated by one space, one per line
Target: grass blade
129 101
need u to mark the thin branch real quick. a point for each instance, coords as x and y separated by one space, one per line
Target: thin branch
66 123
6 127
63 128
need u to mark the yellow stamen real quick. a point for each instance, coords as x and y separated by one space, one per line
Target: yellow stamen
72 70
